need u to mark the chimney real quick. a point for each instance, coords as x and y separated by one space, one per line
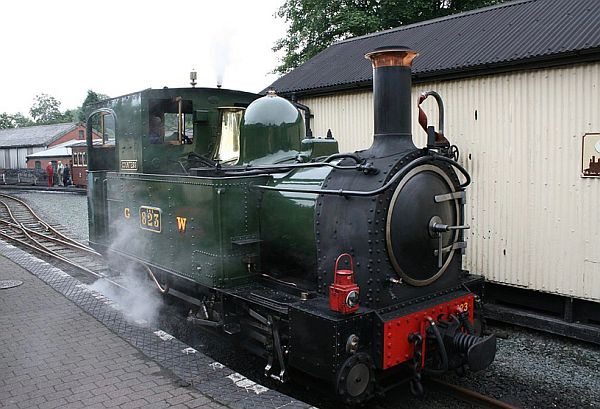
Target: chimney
392 98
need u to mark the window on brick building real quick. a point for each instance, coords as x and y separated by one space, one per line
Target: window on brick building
81 134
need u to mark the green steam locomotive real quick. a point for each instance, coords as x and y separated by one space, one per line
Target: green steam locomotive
345 267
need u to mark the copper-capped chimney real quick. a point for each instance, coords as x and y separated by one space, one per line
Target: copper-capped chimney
392 97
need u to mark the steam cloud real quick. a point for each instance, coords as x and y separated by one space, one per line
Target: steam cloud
142 303
221 54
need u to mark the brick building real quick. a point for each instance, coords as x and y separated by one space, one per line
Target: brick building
62 152
16 144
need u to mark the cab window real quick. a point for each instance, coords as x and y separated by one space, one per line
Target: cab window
103 124
170 121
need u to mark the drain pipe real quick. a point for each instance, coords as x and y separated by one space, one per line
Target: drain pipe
307 115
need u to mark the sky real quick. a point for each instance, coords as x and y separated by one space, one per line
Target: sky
63 48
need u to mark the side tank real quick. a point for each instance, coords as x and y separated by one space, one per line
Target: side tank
289 247
272 133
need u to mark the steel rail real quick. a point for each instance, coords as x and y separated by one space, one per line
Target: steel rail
27 232
43 223
39 247
88 250
52 254
470 396
12 217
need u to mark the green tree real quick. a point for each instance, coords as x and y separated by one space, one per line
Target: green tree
45 110
17 120
91 98
72 115
21 120
315 24
6 121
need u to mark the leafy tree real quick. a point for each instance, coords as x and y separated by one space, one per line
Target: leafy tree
17 120
91 98
315 24
21 120
45 110
72 115
6 121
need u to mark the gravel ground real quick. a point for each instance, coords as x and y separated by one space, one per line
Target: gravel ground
532 369
67 209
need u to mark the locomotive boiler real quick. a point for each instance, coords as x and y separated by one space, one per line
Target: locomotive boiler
345 267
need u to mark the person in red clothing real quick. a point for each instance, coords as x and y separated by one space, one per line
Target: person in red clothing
50 172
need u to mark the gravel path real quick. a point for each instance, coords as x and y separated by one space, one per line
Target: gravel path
532 369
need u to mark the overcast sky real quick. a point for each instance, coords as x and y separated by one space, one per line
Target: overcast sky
63 48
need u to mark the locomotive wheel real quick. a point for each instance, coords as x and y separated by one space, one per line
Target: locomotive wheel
355 379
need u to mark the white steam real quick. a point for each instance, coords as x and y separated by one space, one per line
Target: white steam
221 54
140 305
142 302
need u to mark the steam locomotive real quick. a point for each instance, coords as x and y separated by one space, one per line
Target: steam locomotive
345 267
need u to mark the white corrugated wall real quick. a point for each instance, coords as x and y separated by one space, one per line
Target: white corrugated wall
535 221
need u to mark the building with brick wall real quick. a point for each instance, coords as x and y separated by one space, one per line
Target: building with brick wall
62 152
16 144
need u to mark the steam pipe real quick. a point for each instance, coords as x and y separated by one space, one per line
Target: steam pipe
423 117
162 290
368 193
352 156
262 169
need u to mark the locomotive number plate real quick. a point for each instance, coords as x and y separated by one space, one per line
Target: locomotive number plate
129 164
150 219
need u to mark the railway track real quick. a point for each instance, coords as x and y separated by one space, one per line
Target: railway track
468 395
20 225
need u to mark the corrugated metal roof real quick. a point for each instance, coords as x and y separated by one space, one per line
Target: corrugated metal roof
63 149
59 151
41 135
507 35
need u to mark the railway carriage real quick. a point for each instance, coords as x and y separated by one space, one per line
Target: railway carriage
345 267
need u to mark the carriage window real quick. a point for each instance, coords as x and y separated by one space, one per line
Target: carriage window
170 121
228 143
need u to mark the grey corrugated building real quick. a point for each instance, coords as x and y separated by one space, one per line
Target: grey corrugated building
521 84
17 143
